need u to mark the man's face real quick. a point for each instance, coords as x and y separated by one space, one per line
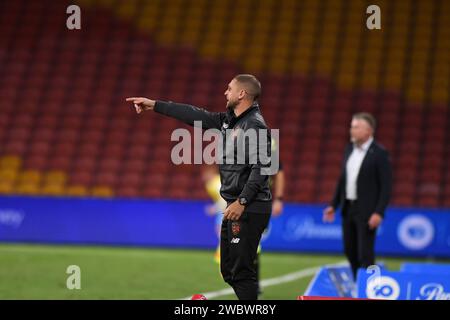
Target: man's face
360 131
234 94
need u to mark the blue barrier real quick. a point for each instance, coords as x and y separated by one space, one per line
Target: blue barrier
403 286
332 281
425 268
408 232
110 222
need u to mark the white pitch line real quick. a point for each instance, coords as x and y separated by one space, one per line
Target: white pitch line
303 273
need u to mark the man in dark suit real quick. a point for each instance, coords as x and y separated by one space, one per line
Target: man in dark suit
363 192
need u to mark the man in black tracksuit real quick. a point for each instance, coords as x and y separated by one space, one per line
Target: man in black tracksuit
245 186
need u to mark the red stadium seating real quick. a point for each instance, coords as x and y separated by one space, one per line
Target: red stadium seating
63 102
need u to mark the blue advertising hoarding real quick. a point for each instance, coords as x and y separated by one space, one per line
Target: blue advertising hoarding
426 268
168 223
405 231
394 285
108 222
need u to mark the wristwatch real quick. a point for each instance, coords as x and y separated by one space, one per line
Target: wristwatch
243 201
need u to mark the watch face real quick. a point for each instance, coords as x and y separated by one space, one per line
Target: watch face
242 201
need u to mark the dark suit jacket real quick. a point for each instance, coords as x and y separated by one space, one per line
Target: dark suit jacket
374 182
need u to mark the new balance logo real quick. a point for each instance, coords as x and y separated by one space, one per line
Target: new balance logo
235 240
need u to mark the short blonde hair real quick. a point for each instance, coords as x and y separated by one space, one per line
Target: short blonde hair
252 85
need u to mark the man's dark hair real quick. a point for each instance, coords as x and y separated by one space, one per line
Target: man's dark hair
370 119
251 84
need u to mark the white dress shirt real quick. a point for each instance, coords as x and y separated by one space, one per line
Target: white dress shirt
352 168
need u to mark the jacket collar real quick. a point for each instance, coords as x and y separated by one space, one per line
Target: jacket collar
232 117
366 145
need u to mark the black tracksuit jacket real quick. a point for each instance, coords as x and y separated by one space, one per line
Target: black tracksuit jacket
238 180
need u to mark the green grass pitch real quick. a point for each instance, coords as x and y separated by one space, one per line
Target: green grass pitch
39 272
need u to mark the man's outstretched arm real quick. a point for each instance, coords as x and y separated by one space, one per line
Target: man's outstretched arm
183 112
